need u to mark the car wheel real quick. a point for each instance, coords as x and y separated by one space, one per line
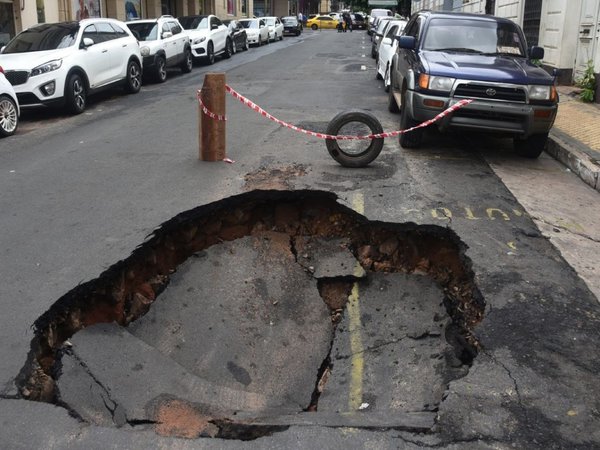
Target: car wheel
160 73
228 49
133 81
281 37
210 54
9 119
234 47
188 62
392 105
386 79
531 147
377 74
354 159
75 94
314 27
246 46
413 138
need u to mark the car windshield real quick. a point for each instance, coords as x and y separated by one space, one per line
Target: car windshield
249 23
194 22
289 21
144 31
474 36
44 37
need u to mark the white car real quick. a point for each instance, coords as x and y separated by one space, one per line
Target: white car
387 49
163 44
62 63
256 30
209 37
9 107
275 28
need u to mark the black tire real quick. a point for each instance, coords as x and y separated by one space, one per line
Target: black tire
363 158
246 46
75 94
314 27
259 41
188 62
281 37
392 104
234 47
386 87
412 139
209 59
133 79
9 117
228 49
160 71
532 147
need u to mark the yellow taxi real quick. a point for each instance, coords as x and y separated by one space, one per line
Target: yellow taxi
325 22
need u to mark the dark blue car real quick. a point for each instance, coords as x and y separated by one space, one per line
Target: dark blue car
445 57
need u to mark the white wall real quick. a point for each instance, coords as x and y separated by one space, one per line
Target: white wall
558 31
511 9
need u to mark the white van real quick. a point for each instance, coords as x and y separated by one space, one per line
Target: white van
377 13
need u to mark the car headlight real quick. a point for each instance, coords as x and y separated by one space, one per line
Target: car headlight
537 92
47 67
436 83
199 40
145 51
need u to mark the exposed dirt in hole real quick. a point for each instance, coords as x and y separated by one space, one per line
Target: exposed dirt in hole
127 289
274 177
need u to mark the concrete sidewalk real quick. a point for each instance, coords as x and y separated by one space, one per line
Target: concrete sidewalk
575 137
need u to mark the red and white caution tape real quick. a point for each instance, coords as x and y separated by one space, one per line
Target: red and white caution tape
264 113
206 111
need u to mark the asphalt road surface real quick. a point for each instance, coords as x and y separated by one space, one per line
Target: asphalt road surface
281 300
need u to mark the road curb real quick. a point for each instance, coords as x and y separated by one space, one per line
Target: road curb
575 159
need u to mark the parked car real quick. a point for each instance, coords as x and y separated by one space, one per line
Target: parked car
358 21
291 25
325 22
374 14
9 107
237 34
60 64
275 28
208 36
257 31
163 44
382 27
445 57
387 49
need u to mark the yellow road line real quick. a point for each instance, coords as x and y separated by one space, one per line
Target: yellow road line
356 345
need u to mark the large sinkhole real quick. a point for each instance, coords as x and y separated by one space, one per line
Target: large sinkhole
264 310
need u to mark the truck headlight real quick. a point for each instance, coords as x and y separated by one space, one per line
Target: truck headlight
537 92
46 67
436 83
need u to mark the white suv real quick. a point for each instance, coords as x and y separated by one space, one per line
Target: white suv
209 37
163 44
62 63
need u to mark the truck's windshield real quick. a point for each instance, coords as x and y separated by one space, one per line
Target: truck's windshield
473 36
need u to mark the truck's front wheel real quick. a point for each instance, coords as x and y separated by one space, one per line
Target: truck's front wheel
531 147
412 139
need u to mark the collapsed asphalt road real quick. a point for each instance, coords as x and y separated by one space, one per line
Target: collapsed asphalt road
241 315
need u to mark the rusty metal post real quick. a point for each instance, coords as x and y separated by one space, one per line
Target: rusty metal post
212 131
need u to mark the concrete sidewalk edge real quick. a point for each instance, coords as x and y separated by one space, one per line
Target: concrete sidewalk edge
576 160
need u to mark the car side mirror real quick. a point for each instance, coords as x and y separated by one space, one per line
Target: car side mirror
386 41
87 42
167 34
407 42
536 53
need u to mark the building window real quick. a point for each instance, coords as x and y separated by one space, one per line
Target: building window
244 10
230 7
41 14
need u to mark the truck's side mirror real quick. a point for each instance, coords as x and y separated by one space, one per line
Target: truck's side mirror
407 42
536 53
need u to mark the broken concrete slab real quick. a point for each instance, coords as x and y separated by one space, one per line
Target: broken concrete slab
327 257
261 328
108 373
390 352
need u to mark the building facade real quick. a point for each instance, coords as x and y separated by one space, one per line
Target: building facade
568 30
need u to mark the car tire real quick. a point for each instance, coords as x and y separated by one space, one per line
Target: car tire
228 49
188 62
75 95
531 147
377 74
281 37
133 79
246 46
314 27
392 105
363 158
160 72
234 47
386 79
209 59
412 139
9 117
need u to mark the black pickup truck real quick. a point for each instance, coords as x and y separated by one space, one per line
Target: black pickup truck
443 58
